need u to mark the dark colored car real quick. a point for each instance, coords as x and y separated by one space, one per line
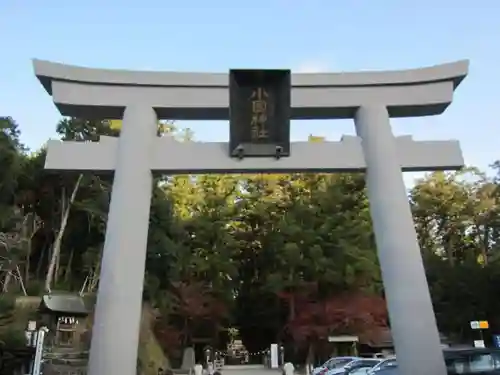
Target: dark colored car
476 361
470 361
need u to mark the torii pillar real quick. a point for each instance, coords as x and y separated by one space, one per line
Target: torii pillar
370 98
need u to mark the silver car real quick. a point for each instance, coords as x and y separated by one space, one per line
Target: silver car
333 363
361 366
385 366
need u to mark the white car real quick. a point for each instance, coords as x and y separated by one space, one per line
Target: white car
333 364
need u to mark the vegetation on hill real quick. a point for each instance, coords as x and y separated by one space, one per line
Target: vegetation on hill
248 251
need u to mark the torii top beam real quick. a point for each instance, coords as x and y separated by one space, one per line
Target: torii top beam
103 93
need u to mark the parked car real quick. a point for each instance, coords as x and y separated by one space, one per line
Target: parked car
388 363
358 371
361 366
463 361
341 368
472 361
387 367
333 363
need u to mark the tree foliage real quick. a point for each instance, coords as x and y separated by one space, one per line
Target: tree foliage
281 257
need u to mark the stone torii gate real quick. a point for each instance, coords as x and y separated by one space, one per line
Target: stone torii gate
141 98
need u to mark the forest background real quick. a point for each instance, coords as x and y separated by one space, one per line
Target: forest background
281 257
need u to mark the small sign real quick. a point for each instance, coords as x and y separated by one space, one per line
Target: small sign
32 325
343 338
479 344
259 112
483 324
316 139
479 324
496 341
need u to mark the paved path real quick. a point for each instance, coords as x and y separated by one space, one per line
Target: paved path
249 370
